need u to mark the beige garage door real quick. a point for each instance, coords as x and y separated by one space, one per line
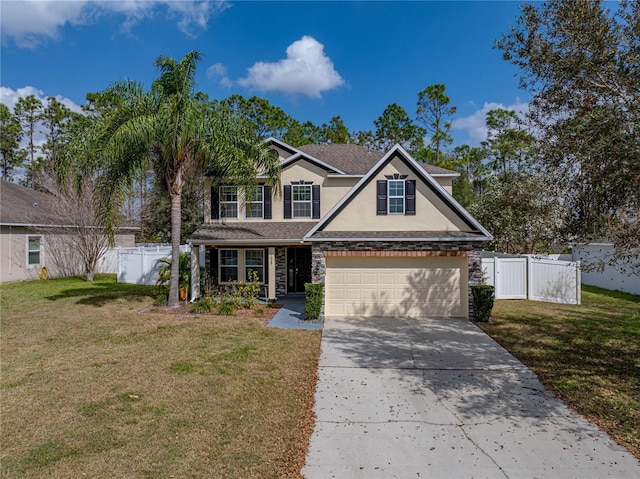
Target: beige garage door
396 286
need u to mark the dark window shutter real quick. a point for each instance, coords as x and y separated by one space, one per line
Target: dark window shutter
410 197
315 201
287 201
382 197
215 203
266 197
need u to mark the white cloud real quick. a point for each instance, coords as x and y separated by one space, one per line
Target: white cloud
32 22
475 124
219 71
9 97
306 70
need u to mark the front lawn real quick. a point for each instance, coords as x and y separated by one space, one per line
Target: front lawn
92 387
588 355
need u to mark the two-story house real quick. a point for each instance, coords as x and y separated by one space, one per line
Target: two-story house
381 230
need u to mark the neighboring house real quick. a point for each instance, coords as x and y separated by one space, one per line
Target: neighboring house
381 231
32 235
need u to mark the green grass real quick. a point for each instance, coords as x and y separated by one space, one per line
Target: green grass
92 386
589 355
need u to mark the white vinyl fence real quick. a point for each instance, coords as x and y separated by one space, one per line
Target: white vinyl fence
139 265
533 277
618 277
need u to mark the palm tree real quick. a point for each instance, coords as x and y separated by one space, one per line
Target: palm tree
175 130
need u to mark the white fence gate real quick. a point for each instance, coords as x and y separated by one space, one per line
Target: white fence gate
534 278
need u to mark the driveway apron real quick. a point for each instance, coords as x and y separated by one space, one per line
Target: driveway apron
440 399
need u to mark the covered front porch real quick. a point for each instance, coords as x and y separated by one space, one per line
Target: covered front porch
272 253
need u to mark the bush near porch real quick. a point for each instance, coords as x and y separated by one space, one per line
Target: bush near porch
92 386
588 355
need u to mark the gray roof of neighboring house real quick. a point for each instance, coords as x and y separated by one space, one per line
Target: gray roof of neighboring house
356 159
20 205
23 206
265 231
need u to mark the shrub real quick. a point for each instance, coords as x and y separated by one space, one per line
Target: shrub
203 305
162 299
244 295
313 300
483 295
225 308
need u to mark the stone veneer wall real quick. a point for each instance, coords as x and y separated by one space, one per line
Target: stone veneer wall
385 248
281 271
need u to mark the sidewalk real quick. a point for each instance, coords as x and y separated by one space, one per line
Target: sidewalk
288 317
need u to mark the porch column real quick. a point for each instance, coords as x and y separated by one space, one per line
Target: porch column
195 272
271 281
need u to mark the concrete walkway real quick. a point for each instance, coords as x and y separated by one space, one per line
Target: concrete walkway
288 317
440 399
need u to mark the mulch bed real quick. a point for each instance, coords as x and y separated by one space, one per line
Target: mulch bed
185 309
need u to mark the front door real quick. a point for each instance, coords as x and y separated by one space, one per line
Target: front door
298 269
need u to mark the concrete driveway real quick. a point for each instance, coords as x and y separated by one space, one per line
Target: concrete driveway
440 399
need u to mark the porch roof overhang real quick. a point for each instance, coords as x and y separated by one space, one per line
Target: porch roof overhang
262 233
395 236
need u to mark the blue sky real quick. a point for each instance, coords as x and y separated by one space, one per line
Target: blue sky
315 60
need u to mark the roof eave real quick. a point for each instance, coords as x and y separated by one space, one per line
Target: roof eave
261 242
46 225
431 239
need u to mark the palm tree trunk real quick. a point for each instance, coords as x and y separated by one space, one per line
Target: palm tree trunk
174 300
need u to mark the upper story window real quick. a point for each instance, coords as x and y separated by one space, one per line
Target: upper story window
228 202
301 201
254 207
34 250
396 196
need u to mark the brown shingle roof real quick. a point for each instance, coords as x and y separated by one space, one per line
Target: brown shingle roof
400 235
356 159
253 231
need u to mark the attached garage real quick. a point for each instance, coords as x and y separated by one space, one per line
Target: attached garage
407 286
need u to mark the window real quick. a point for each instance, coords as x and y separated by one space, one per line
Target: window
254 261
34 250
228 265
228 202
301 200
396 196
255 203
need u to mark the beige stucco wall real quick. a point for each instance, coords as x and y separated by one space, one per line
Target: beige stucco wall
445 182
432 214
57 257
332 190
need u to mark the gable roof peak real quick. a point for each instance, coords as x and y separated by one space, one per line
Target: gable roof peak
398 150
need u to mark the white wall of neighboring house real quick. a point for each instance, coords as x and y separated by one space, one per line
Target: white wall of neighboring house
610 277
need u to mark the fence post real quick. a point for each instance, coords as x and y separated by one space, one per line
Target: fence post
578 283
530 278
